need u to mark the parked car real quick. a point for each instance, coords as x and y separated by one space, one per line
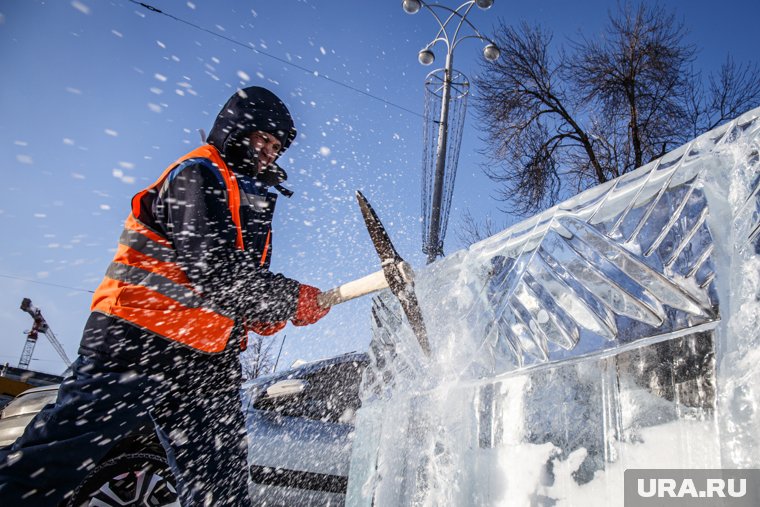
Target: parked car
300 426
22 409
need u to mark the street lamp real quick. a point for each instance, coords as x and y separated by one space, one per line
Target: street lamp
456 19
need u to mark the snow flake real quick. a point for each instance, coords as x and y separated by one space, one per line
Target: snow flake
161 44
117 33
160 77
77 176
154 107
25 159
322 50
111 132
20 143
80 7
119 175
324 151
191 5
105 207
68 142
243 75
40 215
75 91
2 18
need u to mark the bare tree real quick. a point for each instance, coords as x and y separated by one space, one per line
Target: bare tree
730 92
560 121
470 230
257 359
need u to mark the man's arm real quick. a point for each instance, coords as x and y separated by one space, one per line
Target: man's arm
192 207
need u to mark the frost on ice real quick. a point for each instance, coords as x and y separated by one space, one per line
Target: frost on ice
617 330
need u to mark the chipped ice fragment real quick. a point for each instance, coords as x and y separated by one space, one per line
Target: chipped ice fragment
84 9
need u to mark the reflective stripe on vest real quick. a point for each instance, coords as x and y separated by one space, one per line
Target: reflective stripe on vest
145 285
266 248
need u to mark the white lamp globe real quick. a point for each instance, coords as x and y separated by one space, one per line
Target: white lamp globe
411 6
426 57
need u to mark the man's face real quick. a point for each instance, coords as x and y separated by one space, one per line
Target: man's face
266 146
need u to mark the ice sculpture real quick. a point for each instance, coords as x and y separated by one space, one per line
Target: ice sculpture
620 329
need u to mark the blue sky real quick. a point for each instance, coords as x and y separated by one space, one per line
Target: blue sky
98 97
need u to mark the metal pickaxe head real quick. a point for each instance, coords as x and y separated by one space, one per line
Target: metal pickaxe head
398 273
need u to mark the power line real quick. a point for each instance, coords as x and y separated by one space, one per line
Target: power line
281 60
47 283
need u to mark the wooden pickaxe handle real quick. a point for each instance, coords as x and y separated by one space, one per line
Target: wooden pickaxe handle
361 287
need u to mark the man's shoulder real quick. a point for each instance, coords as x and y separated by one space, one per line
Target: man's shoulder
197 169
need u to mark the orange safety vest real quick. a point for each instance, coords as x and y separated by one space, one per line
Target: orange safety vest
145 286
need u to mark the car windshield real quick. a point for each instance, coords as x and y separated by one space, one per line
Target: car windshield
29 402
331 395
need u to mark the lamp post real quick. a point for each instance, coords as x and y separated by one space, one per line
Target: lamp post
456 19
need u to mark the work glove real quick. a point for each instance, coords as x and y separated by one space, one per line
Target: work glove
265 328
308 310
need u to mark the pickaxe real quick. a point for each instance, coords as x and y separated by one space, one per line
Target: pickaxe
396 275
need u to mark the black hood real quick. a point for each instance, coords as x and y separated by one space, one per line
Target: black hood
248 110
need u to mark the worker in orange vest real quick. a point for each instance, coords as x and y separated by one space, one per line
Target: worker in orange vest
189 279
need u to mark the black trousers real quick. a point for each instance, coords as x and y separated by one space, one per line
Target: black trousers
123 378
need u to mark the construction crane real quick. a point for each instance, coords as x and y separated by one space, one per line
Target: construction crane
40 326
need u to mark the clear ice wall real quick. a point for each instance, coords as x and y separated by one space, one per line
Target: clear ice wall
619 329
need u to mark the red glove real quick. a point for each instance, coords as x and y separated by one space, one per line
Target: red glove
308 310
265 328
